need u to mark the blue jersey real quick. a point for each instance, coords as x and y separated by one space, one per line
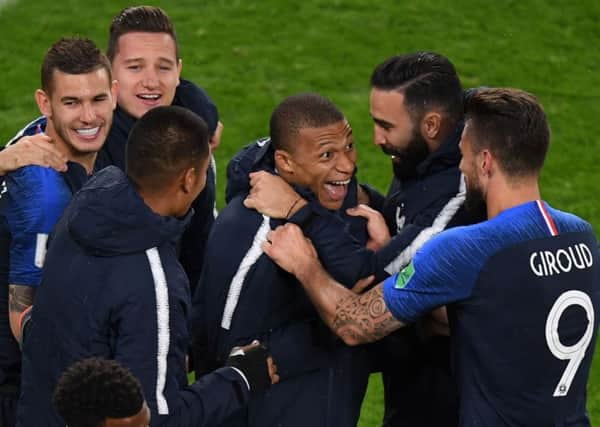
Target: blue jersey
32 200
36 198
523 290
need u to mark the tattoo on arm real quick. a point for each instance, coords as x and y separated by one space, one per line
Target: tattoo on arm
19 298
364 318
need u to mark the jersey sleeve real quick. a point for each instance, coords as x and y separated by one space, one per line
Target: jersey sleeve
36 199
443 271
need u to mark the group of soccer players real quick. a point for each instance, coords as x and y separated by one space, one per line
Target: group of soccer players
472 296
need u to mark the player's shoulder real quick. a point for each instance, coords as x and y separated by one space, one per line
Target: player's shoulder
36 186
33 177
35 126
568 222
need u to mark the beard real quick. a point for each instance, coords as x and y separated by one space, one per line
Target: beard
475 203
406 160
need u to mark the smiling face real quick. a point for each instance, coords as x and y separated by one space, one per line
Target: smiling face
79 111
147 69
396 133
323 160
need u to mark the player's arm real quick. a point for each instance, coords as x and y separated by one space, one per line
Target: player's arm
20 298
32 150
356 319
148 346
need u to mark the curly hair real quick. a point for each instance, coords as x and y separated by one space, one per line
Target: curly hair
94 389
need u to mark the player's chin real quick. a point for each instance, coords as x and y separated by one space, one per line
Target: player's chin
331 204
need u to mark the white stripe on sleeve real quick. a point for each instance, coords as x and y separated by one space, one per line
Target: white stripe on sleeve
162 324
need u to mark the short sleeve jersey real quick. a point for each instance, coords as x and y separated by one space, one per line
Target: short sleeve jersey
523 293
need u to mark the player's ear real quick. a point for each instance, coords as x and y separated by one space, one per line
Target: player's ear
188 180
430 124
114 92
284 161
486 162
179 67
43 101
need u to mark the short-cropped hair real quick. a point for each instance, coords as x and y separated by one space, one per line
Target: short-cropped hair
94 389
72 56
300 111
512 125
426 79
163 143
139 19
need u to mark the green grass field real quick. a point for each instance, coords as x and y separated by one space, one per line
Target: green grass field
250 55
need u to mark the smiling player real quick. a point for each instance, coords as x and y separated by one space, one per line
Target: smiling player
77 99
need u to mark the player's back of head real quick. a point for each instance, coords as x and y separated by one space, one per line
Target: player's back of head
139 19
300 111
92 390
426 79
72 56
162 144
512 124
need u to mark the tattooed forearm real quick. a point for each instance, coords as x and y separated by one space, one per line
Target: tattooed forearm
364 318
19 297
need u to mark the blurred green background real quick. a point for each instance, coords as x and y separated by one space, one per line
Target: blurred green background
250 55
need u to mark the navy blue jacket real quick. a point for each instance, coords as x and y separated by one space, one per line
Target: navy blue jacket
339 238
322 380
194 98
112 287
419 388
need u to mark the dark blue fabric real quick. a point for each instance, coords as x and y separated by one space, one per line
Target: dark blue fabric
415 368
99 297
31 200
193 241
500 296
322 380
36 198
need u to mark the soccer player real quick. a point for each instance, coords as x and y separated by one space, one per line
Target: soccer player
417 108
113 287
99 392
77 98
522 288
243 295
144 56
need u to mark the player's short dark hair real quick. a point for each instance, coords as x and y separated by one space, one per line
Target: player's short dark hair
72 56
139 19
94 389
163 143
300 111
512 124
426 79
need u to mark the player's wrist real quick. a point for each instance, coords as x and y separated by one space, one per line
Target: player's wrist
308 270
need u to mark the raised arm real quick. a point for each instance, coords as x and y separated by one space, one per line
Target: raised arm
356 319
32 150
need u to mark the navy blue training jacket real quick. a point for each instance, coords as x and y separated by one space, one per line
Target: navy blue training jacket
193 98
112 287
322 380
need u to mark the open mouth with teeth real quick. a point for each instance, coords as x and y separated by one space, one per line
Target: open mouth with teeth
151 98
88 133
337 190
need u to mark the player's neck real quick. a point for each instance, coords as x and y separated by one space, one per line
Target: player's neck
86 160
502 194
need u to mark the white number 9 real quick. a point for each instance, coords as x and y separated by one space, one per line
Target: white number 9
576 352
